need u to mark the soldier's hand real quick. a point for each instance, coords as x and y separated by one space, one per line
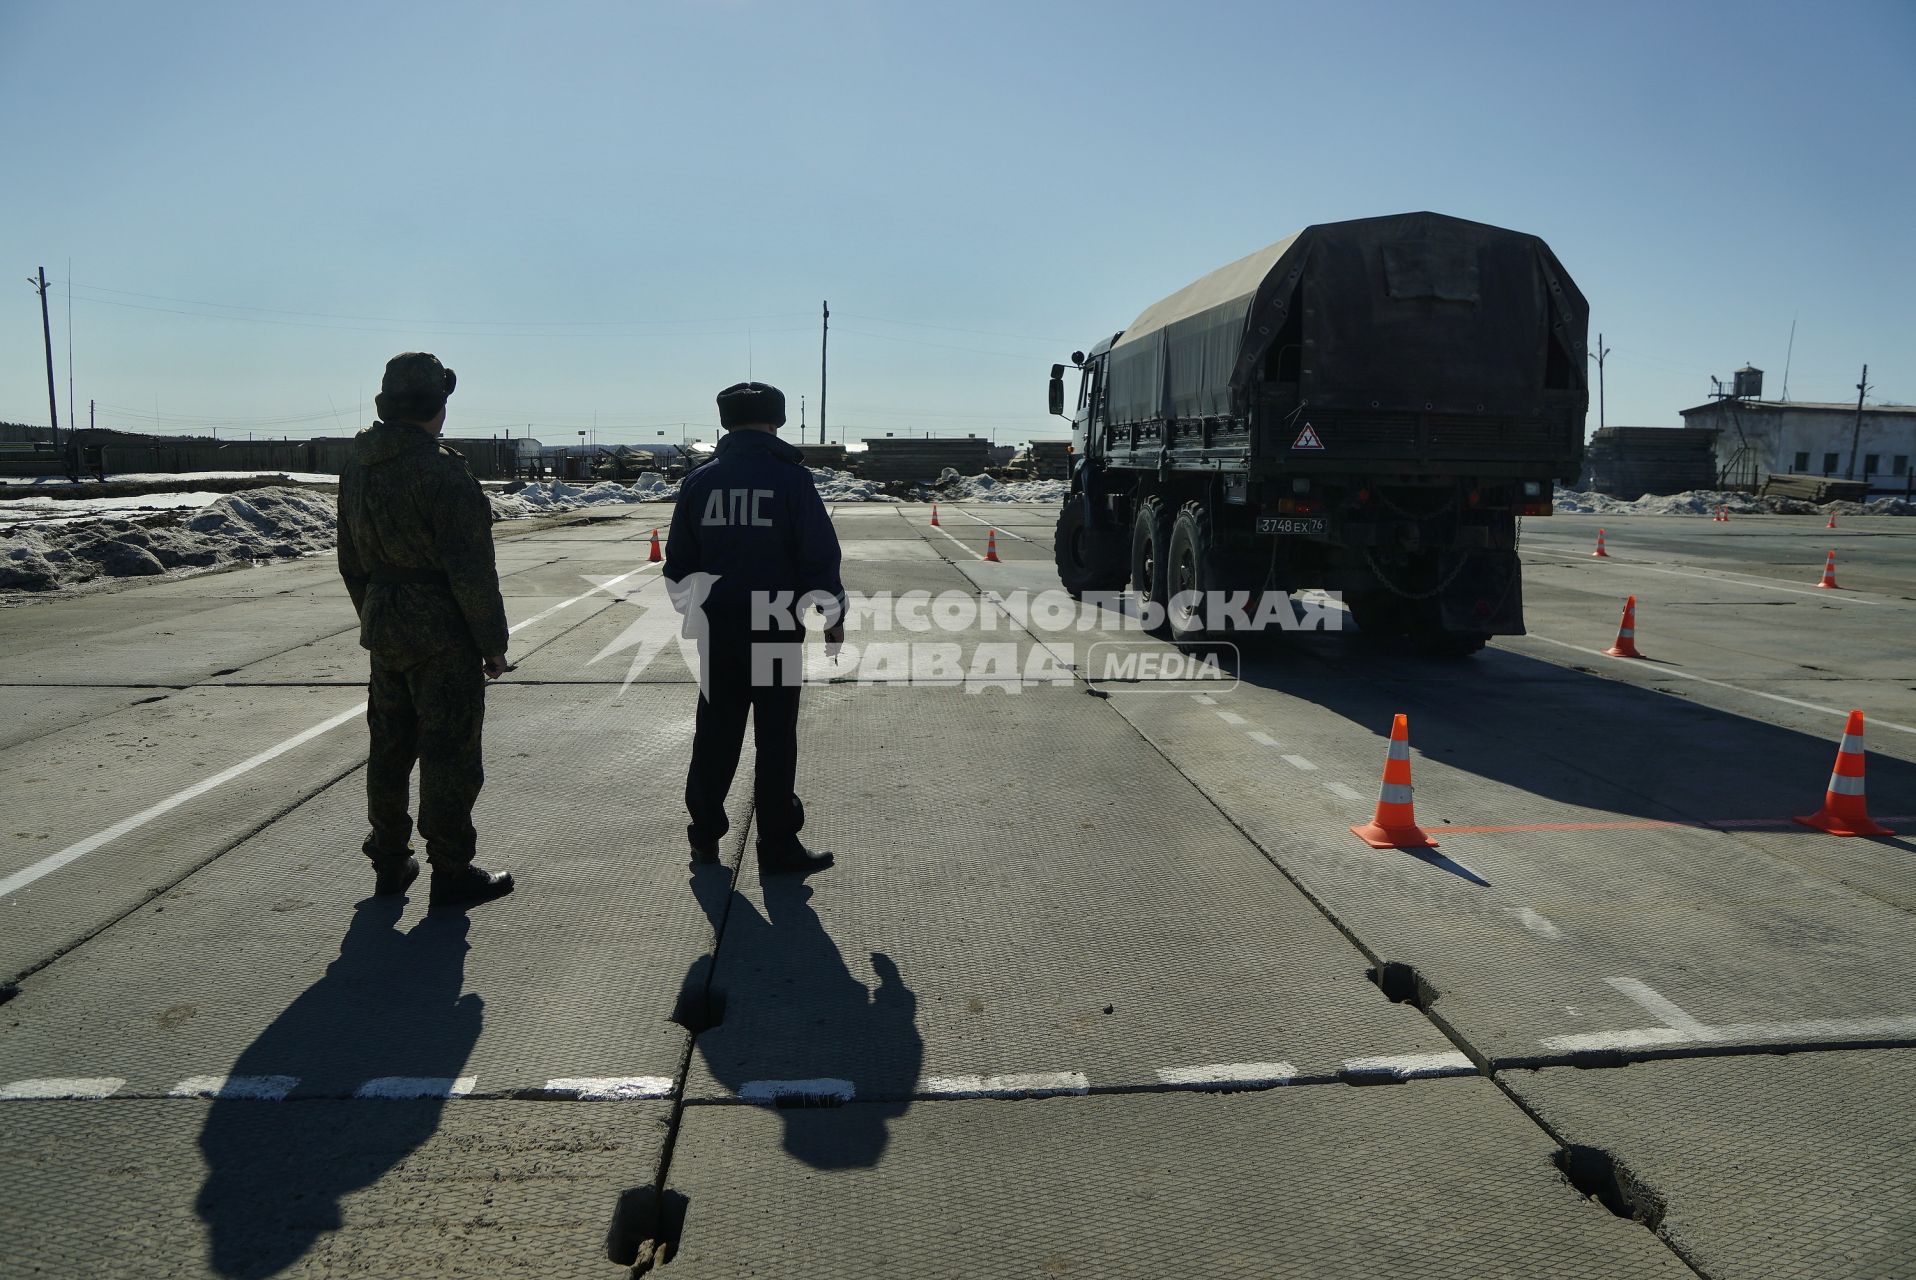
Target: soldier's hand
495 666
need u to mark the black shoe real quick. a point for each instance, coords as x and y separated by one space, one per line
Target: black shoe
703 851
394 876
468 886
791 859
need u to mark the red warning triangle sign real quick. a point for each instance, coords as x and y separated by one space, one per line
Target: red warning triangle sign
1307 439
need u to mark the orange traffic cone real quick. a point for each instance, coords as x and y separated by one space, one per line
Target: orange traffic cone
1722 515
1829 574
1832 523
655 557
991 546
934 514
1395 825
1600 551
1844 811
1626 645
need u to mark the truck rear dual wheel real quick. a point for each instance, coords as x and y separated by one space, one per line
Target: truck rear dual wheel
1149 561
1190 576
1089 558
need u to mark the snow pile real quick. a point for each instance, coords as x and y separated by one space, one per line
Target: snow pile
554 497
843 486
44 510
982 488
1704 502
236 528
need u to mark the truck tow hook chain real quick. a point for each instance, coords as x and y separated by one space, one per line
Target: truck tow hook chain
1370 558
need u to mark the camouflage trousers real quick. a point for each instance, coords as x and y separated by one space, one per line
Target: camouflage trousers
432 713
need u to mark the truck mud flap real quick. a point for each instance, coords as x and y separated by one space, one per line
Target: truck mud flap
1482 593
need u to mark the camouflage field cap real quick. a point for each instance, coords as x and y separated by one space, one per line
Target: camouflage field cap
416 376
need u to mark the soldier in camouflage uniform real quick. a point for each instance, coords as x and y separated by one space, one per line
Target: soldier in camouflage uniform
415 549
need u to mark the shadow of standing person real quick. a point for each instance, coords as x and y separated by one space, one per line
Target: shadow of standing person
797 1029
389 1011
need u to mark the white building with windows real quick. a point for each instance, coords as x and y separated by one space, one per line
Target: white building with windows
1758 438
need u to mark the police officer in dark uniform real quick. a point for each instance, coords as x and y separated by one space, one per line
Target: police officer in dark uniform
751 526
415 549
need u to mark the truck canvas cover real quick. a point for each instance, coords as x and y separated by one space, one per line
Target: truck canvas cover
1416 311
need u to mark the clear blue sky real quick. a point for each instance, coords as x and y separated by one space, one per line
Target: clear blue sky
614 208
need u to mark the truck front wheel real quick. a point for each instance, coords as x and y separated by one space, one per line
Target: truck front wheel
1089 558
1148 560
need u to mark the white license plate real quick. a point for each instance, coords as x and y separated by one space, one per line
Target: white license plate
1290 524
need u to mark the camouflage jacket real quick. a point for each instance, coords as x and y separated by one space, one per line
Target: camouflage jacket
409 509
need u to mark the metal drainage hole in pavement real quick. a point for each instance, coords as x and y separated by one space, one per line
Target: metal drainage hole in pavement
1597 1174
1402 984
646 1226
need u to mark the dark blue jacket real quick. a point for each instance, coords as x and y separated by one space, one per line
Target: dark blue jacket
753 517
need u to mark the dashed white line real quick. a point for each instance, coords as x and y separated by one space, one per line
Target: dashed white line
1412 1066
1000 528
1244 1075
1231 717
543 614
1204 699
609 1088
824 1089
1537 924
260 1088
1299 762
1262 738
404 1087
1679 674
975 555
1036 1084
1343 792
63 1087
1657 1006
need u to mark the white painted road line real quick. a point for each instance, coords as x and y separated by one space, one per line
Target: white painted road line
609 1088
1656 1006
1660 672
403 1087
1263 739
1340 790
73 852
1413 1066
1204 698
543 614
821 1090
1721 579
1299 762
1232 718
1228 1075
1002 531
1894 1027
1537 924
63 1087
1036 1084
260 1088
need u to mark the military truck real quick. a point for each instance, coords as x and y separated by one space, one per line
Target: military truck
1369 407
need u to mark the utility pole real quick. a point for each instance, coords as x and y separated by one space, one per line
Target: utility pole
824 338
1598 355
1856 432
46 332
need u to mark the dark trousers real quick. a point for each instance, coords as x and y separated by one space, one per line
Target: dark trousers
759 673
432 713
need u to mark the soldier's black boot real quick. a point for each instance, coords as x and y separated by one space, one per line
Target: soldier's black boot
393 876
467 885
790 858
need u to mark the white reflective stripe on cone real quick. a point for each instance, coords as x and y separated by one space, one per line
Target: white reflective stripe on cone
1842 786
1394 793
1399 749
1626 633
1852 744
